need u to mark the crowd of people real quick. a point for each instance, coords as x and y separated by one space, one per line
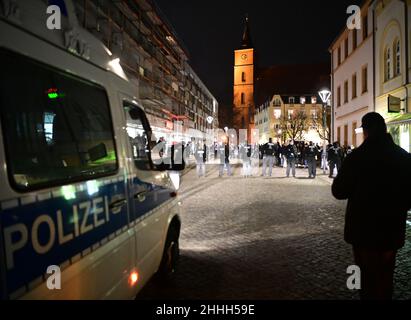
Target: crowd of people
375 224
290 155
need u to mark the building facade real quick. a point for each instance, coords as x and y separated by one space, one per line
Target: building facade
155 60
352 79
243 90
275 118
392 67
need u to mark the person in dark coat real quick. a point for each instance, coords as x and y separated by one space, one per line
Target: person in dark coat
278 154
375 178
224 159
335 156
311 155
269 150
201 158
291 152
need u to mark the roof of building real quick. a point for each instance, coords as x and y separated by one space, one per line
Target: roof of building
291 80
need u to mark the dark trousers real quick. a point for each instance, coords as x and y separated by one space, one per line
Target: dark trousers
312 168
377 272
334 164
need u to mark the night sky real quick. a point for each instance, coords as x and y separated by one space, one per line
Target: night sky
283 32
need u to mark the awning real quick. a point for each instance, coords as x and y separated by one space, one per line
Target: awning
399 120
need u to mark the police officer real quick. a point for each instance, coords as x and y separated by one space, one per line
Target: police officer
224 151
291 152
335 158
201 156
349 150
268 158
278 154
245 154
311 153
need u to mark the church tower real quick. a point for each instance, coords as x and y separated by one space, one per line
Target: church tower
244 71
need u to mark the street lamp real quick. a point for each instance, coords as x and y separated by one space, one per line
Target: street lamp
325 95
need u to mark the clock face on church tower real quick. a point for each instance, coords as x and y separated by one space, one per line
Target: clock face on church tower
244 57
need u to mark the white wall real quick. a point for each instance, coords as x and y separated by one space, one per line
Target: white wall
355 109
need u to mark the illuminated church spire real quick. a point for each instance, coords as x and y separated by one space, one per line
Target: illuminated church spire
246 42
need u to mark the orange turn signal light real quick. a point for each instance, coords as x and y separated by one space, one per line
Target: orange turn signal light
133 279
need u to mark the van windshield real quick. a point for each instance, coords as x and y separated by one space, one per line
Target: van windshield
56 128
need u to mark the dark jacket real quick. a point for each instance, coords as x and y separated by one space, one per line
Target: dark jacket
375 178
291 152
311 152
269 149
335 154
224 154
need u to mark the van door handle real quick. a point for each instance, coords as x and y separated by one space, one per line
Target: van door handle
141 196
118 204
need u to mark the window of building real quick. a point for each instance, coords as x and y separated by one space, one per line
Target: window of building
314 114
346 135
243 77
365 27
397 58
354 39
346 91
277 114
346 48
354 86
313 100
387 64
277 102
59 131
302 100
242 98
364 79
339 97
339 55
290 114
354 134
291 100
339 134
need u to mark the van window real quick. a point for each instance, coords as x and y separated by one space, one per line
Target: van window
137 131
57 128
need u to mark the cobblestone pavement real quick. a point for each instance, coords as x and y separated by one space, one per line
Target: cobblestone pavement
264 238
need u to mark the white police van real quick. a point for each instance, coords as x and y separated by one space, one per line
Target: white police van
78 187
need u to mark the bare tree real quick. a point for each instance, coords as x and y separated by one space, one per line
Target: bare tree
293 126
321 125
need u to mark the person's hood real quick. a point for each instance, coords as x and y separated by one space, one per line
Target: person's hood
379 140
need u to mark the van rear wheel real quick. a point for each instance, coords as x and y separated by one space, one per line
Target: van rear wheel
171 255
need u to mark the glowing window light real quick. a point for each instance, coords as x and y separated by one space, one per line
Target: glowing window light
405 138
